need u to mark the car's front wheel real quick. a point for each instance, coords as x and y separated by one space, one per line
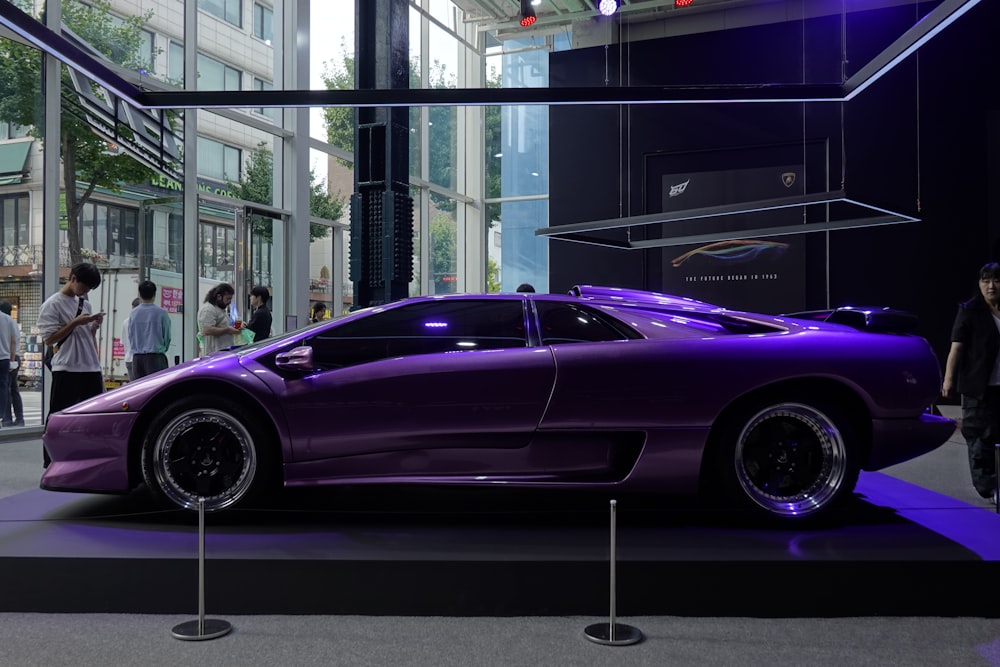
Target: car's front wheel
792 460
203 448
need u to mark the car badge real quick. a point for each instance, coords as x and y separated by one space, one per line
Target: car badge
788 178
679 189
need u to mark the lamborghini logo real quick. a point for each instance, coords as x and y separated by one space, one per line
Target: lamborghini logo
788 178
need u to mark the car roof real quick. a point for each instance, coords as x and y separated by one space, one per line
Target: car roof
585 293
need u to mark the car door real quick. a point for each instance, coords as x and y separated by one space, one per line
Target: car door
435 375
597 367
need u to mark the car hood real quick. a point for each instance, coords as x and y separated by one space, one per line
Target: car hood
133 395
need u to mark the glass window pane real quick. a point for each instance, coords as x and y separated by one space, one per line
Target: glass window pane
524 255
9 228
233 79
147 51
227 10
176 242
130 233
101 230
219 161
114 231
87 228
231 163
175 62
263 19
567 323
211 74
23 220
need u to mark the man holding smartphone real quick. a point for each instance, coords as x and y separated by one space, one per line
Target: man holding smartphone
66 322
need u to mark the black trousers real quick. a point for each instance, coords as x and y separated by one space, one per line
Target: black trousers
147 364
981 430
14 412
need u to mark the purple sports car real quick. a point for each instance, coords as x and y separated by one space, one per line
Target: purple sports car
603 388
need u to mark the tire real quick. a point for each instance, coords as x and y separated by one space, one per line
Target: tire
206 447
791 461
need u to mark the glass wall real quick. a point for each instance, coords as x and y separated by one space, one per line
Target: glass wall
21 245
172 215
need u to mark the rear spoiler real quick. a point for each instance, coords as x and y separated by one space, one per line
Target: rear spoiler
880 320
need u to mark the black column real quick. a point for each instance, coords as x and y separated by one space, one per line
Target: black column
381 206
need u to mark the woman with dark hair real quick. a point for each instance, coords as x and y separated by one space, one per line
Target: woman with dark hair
973 370
260 321
318 312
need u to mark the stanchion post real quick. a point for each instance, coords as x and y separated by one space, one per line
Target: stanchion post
613 633
201 628
996 473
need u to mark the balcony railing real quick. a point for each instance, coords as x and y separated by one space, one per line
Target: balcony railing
21 255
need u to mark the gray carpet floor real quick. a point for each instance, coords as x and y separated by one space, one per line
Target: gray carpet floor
111 639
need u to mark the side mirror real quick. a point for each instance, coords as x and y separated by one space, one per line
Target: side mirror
297 359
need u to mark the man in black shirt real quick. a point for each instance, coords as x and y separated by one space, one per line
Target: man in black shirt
260 322
972 370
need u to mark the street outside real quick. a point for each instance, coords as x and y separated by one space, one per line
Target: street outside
32 400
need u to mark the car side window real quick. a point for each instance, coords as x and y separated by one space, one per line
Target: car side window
570 323
427 327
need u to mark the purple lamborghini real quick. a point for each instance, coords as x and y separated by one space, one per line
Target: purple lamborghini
603 388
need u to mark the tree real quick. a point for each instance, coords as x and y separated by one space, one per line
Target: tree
257 185
340 120
86 161
492 275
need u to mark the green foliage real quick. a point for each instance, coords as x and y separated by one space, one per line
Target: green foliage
85 157
492 275
494 147
257 185
340 120
118 39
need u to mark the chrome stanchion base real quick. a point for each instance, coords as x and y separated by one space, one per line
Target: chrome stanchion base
196 630
617 634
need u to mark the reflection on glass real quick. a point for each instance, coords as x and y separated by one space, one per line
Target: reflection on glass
444 247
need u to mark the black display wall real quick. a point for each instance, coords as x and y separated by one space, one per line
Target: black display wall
923 141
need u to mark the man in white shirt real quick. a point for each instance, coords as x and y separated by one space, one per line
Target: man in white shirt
65 319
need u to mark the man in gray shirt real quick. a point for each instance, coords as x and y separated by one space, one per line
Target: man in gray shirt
10 339
148 333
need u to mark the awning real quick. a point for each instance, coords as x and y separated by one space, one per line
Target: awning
13 156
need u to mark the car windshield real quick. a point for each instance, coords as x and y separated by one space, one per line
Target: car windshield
243 349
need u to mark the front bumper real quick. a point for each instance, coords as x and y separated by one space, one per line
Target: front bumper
89 452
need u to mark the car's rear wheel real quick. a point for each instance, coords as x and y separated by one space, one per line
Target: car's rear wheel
790 460
204 448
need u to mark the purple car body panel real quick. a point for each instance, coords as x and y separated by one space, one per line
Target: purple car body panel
636 413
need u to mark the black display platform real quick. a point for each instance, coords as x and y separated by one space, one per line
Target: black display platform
897 550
